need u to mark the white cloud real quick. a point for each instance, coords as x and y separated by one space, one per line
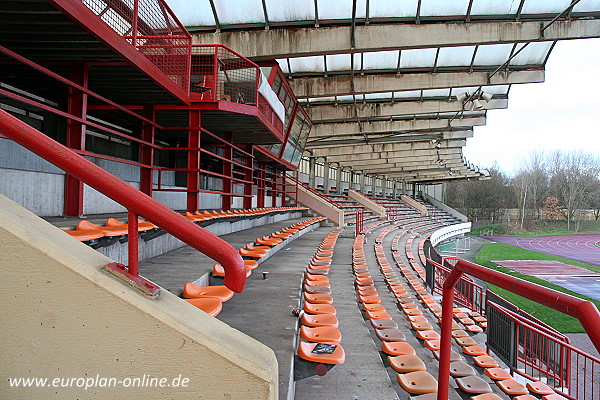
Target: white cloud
561 113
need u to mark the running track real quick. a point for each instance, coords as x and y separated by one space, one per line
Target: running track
575 247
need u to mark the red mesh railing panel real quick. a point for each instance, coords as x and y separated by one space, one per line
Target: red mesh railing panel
220 74
153 29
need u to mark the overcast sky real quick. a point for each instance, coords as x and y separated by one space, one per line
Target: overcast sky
561 113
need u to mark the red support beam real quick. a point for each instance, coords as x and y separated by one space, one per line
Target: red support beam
260 201
147 152
227 173
248 177
193 161
77 106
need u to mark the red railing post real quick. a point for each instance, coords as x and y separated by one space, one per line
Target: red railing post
76 105
134 25
132 243
193 162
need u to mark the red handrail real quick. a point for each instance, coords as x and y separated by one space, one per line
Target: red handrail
585 311
134 200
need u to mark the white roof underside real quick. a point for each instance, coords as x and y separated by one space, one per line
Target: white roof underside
412 115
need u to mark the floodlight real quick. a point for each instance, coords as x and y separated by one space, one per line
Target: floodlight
477 105
438 146
486 96
463 96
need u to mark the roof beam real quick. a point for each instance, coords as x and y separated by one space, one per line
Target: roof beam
413 167
340 85
343 129
346 112
409 156
310 41
392 138
355 150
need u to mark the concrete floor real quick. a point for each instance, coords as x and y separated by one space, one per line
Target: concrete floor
173 269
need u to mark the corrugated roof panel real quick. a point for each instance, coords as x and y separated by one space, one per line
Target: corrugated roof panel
587 6
307 64
380 60
297 10
417 58
492 54
390 9
494 7
340 9
193 13
455 56
439 8
244 11
340 62
544 6
534 54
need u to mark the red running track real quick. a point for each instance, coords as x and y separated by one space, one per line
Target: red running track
575 247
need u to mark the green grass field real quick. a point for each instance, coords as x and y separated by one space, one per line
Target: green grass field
559 321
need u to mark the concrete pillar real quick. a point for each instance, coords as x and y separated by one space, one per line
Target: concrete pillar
362 181
338 179
326 176
312 163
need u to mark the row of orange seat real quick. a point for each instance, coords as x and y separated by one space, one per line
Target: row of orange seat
87 231
319 335
411 371
464 374
210 299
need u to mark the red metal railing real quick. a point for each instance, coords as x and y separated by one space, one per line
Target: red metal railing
585 311
542 354
220 74
360 222
136 202
468 293
153 29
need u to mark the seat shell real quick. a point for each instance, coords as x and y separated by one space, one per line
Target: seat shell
406 363
305 352
319 320
221 292
473 385
390 335
511 387
397 348
320 334
209 305
418 382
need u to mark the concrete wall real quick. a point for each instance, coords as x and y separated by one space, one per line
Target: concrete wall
39 186
435 191
62 317
446 208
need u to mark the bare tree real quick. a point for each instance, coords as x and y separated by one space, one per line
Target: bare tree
573 176
521 184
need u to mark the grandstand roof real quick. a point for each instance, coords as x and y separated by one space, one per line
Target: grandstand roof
379 78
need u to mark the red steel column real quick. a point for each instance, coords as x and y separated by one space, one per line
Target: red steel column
147 152
227 173
77 106
193 163
260 201
248 178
